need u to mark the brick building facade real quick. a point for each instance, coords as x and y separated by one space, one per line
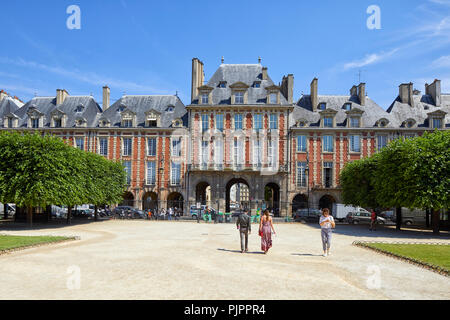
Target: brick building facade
239 127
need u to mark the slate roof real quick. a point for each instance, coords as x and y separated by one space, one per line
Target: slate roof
46 105
372 111
9 105
143 103
423 104
246 73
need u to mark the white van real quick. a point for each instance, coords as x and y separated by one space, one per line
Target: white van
340 211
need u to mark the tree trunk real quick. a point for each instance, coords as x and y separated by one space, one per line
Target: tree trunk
96 213
399 218
69 214
5 211
428 218
435 219
30 215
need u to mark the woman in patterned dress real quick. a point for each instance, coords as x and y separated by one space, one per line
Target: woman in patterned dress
265 231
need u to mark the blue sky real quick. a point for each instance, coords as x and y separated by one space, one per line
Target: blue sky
146 47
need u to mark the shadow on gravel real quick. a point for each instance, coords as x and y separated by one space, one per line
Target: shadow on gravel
239 251
362 230
306 255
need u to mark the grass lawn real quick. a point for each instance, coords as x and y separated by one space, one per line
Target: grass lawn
12 242
438 255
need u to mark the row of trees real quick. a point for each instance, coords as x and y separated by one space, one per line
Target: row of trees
411 173
37 171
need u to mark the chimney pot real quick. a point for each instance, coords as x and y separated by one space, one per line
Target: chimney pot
106 98
314 94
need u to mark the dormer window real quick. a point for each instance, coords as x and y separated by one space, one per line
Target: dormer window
80 122
127 123
437 123
239 97
205 98
257 84
104 123
436 119
152 119
170 109
410 123
328 122
322 106
57 123
348 106
35 123
273 98
79 109
10 123
354 122
120 109
382 123
222 84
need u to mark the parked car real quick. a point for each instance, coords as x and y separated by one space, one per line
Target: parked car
363 216
308 214
410 217
194 211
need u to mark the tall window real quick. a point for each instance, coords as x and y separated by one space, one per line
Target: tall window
35 123
322 106
127 146
176 147
127 165
175 177
257 153
205 122
238 152
151 172
381 142
218 152
270 153
10 123
219 121
238 121
80 143
354 122
258 124
355 143
328 144
205 152
301 143
205 99
239 97
328 122
301 174
328 174
103 146
273 121
151 147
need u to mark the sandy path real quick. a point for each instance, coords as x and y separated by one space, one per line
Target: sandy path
185 260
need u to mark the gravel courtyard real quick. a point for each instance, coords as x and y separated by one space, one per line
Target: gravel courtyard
186 260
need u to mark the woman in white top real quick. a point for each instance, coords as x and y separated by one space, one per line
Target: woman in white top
326 223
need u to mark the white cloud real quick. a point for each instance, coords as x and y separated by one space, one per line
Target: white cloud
369 59
87 77
442 2
442 62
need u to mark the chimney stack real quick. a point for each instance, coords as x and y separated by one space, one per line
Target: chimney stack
287 88
406 93
198 77
106 98
362 93
434 90
61 95
264 73
354 91
3 94
314 94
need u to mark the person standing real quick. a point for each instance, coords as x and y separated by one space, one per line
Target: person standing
170 213
373 221
265 231
326 224
244 226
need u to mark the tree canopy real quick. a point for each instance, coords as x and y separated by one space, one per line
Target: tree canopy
38 170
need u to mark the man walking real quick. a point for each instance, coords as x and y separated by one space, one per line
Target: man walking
244 226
